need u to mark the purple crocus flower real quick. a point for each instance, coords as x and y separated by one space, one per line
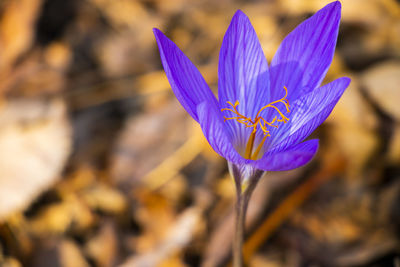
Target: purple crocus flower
263 113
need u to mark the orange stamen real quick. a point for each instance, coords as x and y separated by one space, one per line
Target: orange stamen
258 121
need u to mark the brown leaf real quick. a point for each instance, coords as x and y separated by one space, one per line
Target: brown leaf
353 129
35 141
17 29
179 235
382 84
102 248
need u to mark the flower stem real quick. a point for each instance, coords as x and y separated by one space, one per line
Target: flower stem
246 178
239 232
242 203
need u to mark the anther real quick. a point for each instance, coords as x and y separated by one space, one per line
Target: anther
258 121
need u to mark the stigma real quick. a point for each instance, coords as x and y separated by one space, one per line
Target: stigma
259 122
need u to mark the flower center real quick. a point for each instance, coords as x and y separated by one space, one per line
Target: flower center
258 122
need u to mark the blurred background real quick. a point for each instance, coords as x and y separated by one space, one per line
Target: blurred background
101 166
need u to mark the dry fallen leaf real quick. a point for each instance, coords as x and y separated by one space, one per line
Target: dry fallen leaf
382 84
102 248
35 141
394 146
179 235
353 129
58 252
17 29
10 262
147 141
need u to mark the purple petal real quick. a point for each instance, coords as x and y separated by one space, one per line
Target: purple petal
189 86
215 131
293 157
243 74
304 56
309 111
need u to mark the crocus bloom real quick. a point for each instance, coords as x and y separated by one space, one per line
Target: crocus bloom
263 113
